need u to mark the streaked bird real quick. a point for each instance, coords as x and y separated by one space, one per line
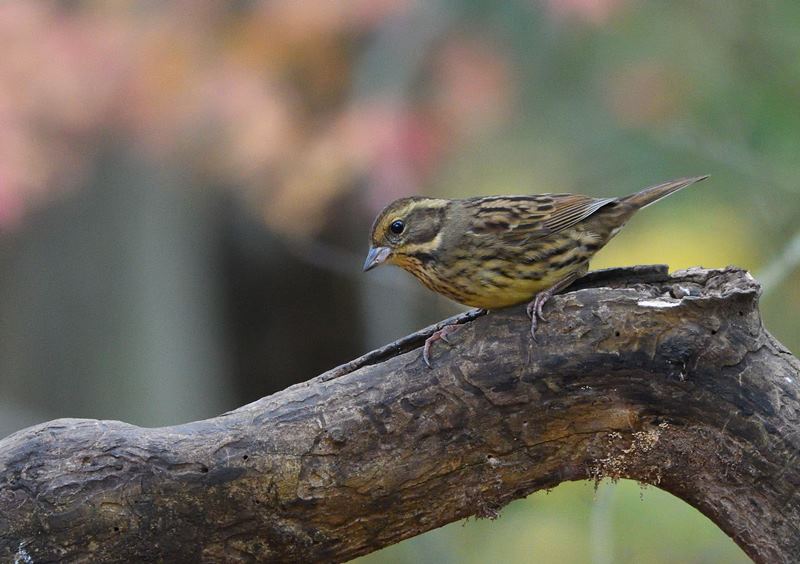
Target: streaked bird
492 252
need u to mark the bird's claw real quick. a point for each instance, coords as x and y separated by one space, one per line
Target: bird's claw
440 335
540 300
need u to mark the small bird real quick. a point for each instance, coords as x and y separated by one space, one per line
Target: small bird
493 252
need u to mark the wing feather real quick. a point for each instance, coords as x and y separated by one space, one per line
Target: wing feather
518 218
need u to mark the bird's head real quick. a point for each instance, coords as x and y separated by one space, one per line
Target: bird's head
407 233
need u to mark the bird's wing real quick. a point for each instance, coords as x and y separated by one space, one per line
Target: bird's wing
518 218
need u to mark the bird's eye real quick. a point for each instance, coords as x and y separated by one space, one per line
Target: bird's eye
397 226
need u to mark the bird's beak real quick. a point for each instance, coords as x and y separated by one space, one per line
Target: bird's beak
376 257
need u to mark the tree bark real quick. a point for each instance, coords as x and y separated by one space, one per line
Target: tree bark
669 380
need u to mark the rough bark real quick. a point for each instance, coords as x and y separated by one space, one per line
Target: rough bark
669 380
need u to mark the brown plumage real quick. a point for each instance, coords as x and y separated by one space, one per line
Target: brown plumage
496 251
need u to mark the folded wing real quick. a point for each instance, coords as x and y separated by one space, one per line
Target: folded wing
523 218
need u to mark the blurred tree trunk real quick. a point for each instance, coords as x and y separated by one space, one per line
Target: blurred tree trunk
669 380
155 298
109 300
287 317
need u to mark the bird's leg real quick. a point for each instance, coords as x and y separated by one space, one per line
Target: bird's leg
442 333
534 308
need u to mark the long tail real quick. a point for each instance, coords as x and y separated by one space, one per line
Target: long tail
654 193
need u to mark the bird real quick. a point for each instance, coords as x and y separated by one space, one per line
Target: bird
493 252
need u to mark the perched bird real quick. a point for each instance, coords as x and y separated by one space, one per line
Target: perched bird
497 251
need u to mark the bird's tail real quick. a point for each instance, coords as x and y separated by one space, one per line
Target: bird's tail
654 193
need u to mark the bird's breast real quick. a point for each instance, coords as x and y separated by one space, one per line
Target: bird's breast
490 285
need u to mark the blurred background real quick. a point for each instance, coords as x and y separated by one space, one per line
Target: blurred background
186 190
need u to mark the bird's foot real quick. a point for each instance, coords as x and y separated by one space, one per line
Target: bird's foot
535 308
440 335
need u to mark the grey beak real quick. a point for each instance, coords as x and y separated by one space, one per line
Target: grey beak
376 257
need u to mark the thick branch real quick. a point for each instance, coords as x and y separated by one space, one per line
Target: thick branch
672 381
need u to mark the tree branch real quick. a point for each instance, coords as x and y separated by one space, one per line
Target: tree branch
669 380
